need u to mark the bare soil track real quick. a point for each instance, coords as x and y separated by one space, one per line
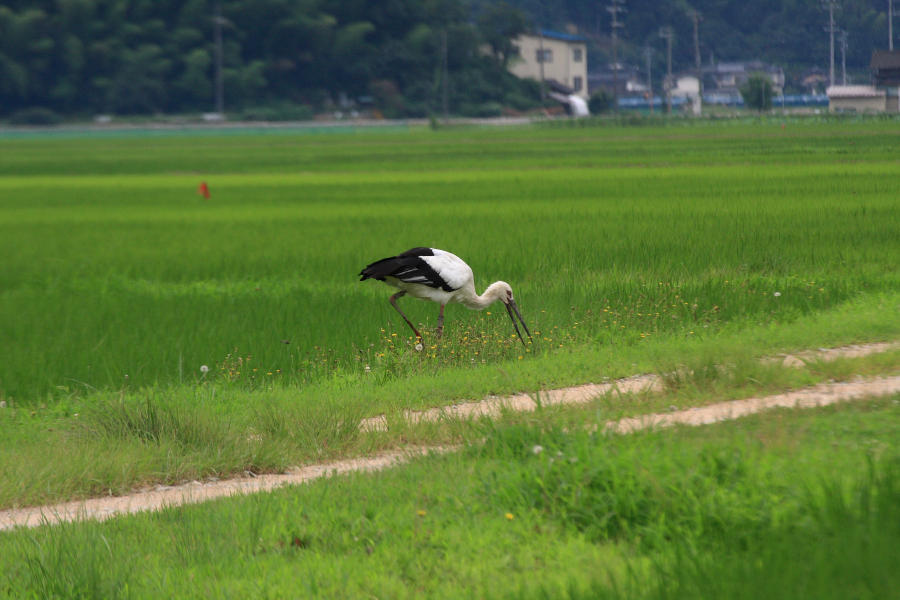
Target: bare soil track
164 496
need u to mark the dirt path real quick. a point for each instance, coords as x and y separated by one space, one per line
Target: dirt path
196 491
493 406
164 496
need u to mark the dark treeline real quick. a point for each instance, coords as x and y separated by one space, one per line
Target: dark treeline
159 56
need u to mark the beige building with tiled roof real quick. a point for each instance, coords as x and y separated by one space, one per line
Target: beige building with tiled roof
563 56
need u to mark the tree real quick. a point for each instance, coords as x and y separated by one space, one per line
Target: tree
146 56
499 24
757 92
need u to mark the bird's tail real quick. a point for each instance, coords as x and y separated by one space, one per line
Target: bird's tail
372 270
379 268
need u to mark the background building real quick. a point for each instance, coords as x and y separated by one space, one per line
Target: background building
563 57
856 99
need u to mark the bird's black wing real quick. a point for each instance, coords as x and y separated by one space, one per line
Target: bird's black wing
407 267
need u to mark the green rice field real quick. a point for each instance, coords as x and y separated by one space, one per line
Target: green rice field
118 275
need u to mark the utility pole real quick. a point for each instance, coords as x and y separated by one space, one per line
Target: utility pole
890 24
541 65
831 29
667 33
697 18
444 74
648 56
219 81
614 8
843 41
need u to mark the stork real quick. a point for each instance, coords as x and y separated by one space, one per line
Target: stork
442 277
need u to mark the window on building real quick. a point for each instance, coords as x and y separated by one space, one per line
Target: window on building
577 83
545 55
576 54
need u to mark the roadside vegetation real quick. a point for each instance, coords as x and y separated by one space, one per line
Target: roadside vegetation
781 505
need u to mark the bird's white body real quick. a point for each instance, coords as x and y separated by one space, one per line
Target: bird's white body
441 277
454 271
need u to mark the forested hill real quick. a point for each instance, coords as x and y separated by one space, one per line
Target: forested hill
150 56
401 57
790 33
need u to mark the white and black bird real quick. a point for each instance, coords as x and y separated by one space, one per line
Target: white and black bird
442 277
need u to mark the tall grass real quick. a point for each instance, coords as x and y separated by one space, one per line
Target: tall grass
717 518
117 274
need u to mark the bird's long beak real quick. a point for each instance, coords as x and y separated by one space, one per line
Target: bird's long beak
512 308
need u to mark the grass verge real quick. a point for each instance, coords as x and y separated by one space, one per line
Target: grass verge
786 504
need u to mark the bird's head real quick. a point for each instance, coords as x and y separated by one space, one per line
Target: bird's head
502 291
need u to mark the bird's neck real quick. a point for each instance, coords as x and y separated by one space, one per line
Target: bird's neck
490 295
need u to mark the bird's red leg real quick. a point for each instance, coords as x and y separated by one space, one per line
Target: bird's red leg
400 294
440 324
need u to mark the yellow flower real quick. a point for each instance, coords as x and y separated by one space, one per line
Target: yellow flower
509 516
421 512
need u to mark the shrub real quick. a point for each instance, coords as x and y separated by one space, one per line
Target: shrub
601 101
520 101
757 92
35 116
284 112
483 110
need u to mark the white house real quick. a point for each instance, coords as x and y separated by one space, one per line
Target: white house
561 56
856 98
688 87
